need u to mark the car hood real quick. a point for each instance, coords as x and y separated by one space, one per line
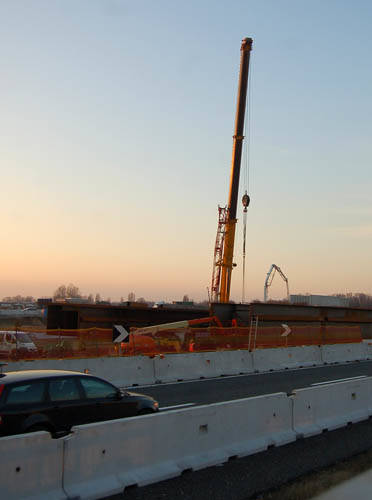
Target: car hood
137 395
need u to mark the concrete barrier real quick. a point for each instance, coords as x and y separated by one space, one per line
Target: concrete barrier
102 459
31 467
173 367
123 371
142 370
286 357
235 362
331 406
341 353
367 348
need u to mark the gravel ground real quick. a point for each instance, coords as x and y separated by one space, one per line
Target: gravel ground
318 482
250 477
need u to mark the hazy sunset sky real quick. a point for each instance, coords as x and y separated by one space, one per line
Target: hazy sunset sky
116 129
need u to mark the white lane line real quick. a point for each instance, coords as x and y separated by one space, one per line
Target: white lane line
255 374
176 406
340 380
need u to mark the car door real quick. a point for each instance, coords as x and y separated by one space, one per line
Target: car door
104 400
66 403
24 402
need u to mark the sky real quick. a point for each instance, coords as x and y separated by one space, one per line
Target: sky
116 132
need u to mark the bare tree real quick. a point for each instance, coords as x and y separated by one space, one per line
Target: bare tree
131 297
98 298
19 299
60 293
69 291
73 291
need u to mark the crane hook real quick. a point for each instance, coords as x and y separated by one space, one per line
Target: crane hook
246 200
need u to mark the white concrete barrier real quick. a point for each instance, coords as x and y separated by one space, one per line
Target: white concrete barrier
331 406
235 362
31 467
142 370
341 353
286 357
173 367
123 371
367 348
102 459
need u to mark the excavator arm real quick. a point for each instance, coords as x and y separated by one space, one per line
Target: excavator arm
269 279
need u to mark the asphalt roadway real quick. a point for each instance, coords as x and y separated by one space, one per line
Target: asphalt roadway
207 391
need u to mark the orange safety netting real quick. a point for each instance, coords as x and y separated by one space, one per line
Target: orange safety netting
97 342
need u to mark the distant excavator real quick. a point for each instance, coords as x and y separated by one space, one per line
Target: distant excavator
269 279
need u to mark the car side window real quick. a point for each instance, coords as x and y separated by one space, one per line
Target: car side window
32 392
63 389
97 388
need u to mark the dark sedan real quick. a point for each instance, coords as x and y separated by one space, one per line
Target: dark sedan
56 400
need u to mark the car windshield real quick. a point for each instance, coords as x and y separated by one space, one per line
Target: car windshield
23 337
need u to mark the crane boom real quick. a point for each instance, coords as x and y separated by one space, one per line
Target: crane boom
269 279
230 225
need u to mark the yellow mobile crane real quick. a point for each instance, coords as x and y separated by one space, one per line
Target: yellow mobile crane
224 248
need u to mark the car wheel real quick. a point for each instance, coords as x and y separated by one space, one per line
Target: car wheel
145 411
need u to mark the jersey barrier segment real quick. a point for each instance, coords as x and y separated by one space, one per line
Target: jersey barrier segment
342 353
330 406
102 459
31 467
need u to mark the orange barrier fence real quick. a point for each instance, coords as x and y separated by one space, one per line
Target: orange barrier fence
97 342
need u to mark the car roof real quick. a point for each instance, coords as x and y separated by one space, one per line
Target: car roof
24 375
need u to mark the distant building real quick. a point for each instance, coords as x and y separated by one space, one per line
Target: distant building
43 301
319 300
183 302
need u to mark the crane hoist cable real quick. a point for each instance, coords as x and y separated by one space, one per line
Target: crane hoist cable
246 172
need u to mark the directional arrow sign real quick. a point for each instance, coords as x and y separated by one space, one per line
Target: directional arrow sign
287 330
119 334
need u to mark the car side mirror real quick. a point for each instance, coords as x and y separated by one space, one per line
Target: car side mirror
119 394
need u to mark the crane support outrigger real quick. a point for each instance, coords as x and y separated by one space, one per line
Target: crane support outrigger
221 290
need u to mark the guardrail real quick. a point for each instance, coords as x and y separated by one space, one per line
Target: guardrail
102 459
